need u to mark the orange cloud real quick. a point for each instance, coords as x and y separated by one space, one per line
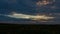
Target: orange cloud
43 2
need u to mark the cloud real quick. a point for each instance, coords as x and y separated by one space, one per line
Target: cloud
54 7
53 21
31 17
43 3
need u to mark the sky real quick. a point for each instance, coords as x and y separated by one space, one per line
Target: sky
29 7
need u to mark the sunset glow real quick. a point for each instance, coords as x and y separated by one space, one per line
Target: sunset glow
32 17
